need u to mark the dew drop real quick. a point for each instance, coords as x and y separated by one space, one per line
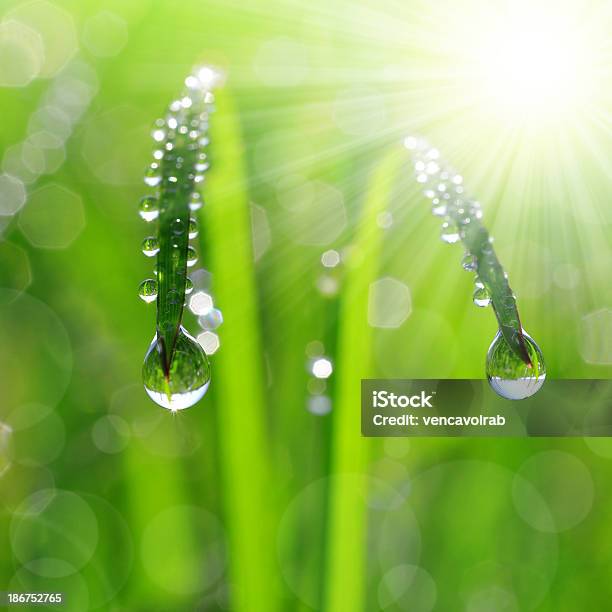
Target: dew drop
439 210
152 176
195 201
192 257
449 234
188 378
173 297
150 246
193 228
509 376
148 290
149 208
188 286
481 297
468 262
202 163
178 227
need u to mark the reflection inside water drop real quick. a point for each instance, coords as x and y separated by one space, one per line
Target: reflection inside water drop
509 376
189 375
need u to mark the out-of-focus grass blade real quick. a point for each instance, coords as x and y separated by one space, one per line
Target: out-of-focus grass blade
237 374
345 561
148 496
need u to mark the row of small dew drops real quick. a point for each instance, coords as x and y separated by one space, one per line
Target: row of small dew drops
444 187
200 300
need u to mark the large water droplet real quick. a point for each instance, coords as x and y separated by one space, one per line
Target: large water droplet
509 376
148 290
150 246
149 208
188 378
482 297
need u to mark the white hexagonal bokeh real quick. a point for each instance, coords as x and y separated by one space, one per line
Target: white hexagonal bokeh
12 194
209 341
53 217
596 337
211 320
201 303
21 54
319 404
115 145
56 30
389 303
13 163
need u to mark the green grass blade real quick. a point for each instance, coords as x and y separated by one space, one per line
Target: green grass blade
492 275
345 563
238 368
181 148
438 180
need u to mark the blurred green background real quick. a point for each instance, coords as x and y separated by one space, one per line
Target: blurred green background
321 252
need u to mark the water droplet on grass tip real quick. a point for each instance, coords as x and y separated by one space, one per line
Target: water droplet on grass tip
188 286
148 290
149 208
188 378
150 246
509 376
